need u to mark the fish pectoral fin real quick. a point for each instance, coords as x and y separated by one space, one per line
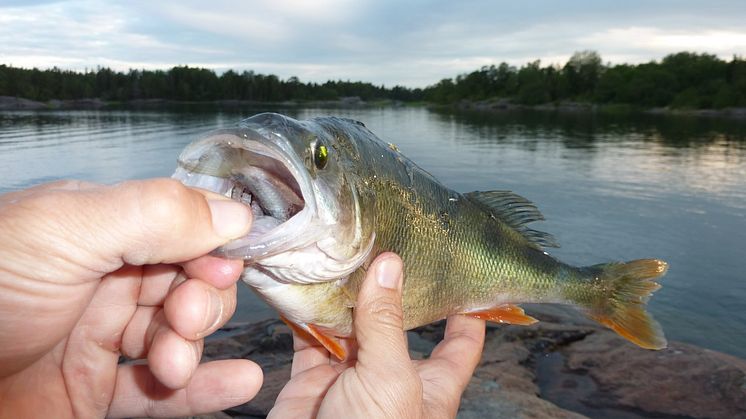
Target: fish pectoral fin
507 313
308 331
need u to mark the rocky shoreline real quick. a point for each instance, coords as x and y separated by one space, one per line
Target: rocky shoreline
9 103
562 367
502 105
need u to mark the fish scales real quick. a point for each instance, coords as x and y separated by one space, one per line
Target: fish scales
459 257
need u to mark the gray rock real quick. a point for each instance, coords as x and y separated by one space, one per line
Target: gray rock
562 367
19 103
683 380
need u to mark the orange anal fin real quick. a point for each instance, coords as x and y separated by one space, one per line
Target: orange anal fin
308 331
508 313
300 331
332 345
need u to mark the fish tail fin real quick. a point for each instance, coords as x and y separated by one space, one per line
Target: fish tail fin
626 288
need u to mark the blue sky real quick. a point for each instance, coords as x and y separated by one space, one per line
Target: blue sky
413 43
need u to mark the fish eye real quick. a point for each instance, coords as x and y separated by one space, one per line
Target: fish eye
320 155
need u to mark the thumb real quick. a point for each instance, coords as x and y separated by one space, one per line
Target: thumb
163 221
99 228
379 321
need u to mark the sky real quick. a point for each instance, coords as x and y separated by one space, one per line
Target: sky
411 43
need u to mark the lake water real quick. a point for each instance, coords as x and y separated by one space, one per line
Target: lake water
611 187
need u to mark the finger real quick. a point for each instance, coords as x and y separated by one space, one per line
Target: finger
215 386
219 272
195 308
96 341
461 348
171 358
308 354
350 347
158 280
138 334
378 313
185 306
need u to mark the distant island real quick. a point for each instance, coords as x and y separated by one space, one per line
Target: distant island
681 81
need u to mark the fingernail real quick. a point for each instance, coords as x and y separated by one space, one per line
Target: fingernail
388 273
214 311
230 219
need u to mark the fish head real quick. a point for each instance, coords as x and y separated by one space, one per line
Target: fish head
308 224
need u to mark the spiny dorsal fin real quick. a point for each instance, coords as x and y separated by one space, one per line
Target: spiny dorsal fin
515 211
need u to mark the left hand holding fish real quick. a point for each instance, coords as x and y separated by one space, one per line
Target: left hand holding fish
89 272
379 379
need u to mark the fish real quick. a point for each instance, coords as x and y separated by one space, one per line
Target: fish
328 196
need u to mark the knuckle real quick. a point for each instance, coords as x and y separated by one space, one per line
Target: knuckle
165 204
69 185
386 312
49 213
48 201
62 184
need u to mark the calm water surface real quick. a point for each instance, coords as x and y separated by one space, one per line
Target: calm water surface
611 188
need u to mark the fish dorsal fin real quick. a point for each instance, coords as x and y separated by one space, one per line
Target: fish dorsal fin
515 211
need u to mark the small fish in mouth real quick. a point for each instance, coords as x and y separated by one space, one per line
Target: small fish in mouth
328 196
275 198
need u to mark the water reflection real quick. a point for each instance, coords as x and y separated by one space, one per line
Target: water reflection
579 129
700 155
611 186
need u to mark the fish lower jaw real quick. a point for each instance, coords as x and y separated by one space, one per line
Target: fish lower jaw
301 303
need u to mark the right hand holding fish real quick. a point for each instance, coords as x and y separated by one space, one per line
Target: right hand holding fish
379 379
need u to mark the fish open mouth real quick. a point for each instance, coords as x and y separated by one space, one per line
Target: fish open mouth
268 188
263 173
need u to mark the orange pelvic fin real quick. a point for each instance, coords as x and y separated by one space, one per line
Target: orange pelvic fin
507 313
308 331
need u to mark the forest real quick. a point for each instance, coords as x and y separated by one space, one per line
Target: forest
683 80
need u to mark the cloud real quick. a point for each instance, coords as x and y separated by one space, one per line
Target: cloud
657 41
414 43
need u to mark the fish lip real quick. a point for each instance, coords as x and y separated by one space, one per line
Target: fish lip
266 143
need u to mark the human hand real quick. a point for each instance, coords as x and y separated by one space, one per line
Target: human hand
89 272
381 381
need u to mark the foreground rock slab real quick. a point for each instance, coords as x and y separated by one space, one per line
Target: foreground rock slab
559 368
683 380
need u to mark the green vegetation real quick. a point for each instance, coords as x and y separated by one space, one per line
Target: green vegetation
682 80
182 84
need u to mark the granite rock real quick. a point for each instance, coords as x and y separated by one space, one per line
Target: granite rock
562 367
683 380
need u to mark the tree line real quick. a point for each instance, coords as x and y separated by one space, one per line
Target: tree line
181 83
681 80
